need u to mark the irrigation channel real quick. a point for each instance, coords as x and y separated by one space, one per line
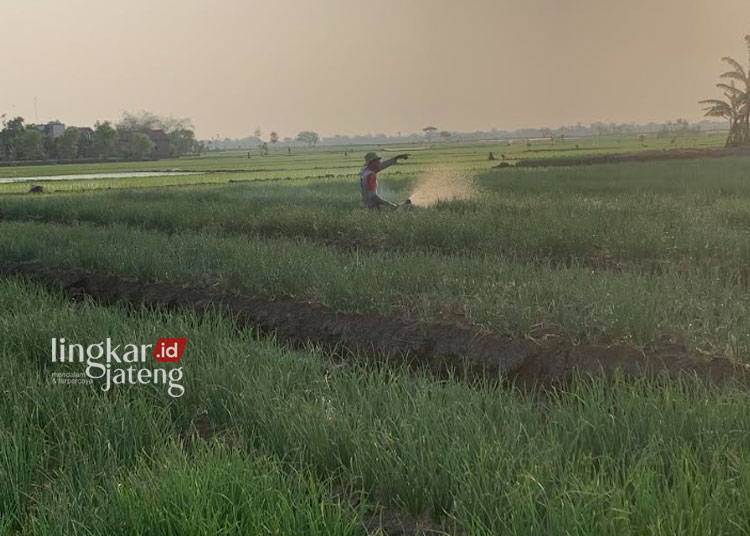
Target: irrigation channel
84 176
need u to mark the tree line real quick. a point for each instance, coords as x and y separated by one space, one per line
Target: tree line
20 141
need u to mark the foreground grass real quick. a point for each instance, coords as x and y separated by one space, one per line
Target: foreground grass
291 429
209 490
703 310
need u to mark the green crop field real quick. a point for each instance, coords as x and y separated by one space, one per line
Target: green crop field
279 437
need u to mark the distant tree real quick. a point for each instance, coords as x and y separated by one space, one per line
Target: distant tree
105 140
67 144
50 148
445 135
732 109
677 129
179 130
181 141
274 137
171 124
141 146
147 120
31 146
258 133
601 128
736 107
309 137
10 137
139 121
429 131
86 144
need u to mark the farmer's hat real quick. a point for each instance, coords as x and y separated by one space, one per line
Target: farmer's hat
369 157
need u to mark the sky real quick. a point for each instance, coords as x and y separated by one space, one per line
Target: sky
357 67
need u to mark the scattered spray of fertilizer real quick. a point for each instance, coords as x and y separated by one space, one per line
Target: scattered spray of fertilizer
441 184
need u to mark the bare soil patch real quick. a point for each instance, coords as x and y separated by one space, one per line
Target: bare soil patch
440 347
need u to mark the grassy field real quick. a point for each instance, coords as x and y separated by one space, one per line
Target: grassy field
294 436
343 157
646 255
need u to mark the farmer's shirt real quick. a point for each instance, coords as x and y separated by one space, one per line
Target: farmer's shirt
368 182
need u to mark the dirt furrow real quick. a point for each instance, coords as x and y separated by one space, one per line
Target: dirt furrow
439 347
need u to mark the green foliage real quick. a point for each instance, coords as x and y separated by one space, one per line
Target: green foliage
181 142
86 147
736 107
292 432
67 144
50 148
309 137
141 146
11 137
31 146
638 254
105 140
146 121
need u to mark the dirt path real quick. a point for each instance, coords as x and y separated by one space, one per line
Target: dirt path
439 347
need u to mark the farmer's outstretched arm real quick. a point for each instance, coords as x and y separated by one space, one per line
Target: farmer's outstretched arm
387 163
390 161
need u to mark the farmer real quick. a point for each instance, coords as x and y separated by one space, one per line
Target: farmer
368 179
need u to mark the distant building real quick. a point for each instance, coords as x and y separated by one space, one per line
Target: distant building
84 131
158 136
161 140
53 128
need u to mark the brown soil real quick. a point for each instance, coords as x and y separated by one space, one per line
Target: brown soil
438 347
390 521
552 364
639 156
380 520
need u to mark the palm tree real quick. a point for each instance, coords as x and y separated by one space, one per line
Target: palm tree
732 110
736 107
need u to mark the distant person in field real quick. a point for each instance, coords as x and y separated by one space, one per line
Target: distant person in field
368 179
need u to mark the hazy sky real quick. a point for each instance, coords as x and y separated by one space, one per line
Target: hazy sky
351 66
